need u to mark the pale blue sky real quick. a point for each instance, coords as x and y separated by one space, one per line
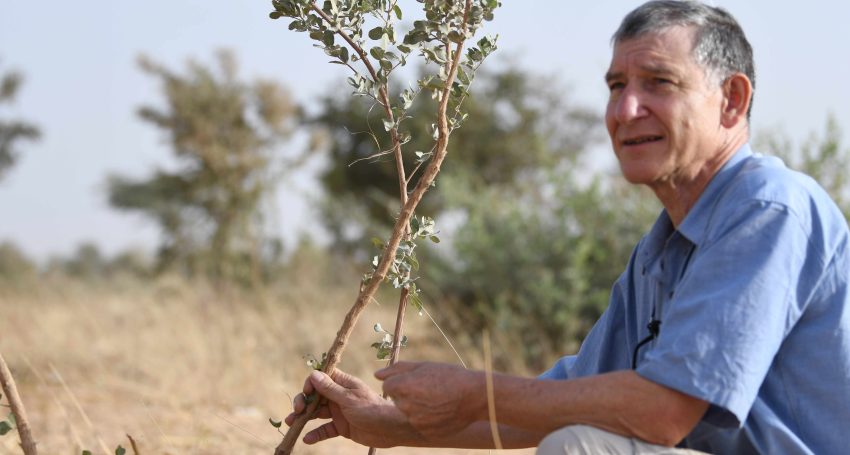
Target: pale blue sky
83 87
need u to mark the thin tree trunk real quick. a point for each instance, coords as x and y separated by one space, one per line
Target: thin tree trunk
21 422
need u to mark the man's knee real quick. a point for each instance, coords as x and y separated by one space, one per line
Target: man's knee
582 440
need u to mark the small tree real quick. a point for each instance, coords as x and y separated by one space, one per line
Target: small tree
223 133
823 157
12 131
439 38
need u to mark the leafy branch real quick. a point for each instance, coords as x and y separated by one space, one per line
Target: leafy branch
440 40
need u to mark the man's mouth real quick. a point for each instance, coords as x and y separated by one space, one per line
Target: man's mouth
641 140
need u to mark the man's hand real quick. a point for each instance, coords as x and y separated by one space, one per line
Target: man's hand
438 399
357 412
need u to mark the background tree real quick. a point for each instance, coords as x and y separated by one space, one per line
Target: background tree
12 131
824 157
522 123
224 134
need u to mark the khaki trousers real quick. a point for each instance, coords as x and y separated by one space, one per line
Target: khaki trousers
587 440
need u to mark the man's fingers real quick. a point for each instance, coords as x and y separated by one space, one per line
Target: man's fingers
395 369
346 380
308 386
325 386
321 433
299 403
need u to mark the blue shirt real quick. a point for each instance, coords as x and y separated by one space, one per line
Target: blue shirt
752 294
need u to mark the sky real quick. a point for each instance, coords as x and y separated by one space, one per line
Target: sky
83 87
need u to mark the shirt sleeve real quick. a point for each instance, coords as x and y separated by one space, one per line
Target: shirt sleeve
744 290
605 348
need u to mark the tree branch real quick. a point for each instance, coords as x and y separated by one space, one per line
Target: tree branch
383 99
21 422
400 229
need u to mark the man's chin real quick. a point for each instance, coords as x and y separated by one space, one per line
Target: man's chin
637 175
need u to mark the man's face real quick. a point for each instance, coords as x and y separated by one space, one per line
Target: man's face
663 113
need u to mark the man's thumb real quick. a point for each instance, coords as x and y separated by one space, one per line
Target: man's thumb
326 387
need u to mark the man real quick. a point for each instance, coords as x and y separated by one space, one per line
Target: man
728 332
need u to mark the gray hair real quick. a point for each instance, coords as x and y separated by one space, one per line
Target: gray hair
720 45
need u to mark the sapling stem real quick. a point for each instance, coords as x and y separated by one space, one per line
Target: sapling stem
401 228
17 406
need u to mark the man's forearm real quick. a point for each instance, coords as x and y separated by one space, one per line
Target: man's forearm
478 435
620 402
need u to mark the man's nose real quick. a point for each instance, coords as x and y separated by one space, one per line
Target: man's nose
629 107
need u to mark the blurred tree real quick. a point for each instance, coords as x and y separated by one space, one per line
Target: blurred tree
86 263
522 123
534 263
131 263
224 133
824 158
12 130
15 266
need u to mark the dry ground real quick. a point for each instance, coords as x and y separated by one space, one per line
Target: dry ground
182 369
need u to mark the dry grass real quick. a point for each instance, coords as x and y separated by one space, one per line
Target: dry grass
182 369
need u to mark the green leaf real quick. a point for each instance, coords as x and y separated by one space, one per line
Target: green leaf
455 37
328 38
434 239
413 262
343 54
415 301
5 428
275 14
120 450
376 33
397 11
422 157
377 52
275 423
86 452
388 125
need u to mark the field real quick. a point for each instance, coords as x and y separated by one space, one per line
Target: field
183 368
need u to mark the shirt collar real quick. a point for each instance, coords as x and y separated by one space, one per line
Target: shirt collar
695 222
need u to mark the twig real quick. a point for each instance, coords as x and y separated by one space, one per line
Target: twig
56 400
79 407
133 445
242 429
491 399
21 421
445 337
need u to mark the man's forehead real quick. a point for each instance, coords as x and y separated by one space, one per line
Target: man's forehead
656 52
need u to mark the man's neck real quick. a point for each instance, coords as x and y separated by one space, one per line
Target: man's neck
678 197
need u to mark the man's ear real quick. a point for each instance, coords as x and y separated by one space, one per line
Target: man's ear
737 95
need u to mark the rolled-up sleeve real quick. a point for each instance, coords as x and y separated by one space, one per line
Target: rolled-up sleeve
742 293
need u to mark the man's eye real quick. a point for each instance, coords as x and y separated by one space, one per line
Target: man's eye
614 86
662 81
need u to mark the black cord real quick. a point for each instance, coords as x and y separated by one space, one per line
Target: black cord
654 328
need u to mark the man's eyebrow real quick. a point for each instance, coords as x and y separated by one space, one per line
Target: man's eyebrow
659 70
609 76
